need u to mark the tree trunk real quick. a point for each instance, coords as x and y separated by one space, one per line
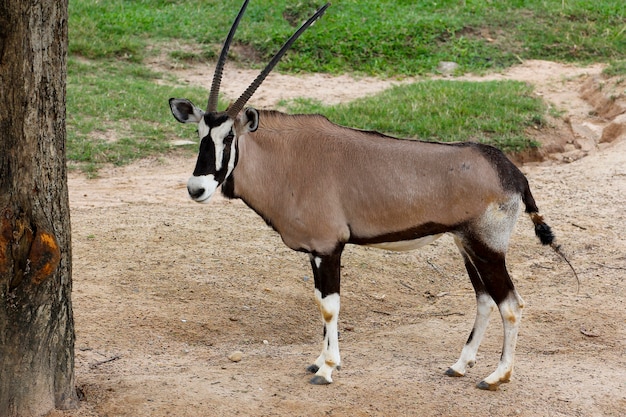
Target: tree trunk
36 323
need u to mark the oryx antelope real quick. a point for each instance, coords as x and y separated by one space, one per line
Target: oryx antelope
322 186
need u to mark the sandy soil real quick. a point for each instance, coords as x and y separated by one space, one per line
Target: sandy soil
166 289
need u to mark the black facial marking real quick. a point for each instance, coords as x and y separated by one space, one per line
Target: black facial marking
205 164
220 175
228 188
215 119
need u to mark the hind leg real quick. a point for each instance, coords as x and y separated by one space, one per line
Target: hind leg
487 270
484 307
511 312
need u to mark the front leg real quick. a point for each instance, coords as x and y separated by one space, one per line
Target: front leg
326 270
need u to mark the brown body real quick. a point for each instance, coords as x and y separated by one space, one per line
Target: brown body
325 184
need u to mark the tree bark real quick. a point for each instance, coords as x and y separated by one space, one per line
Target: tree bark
36 322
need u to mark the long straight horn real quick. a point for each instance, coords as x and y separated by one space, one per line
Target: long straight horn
219 67
241 101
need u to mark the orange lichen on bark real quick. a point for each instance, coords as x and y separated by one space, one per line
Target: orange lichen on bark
44 257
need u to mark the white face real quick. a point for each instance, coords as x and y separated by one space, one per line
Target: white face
216 158
218 149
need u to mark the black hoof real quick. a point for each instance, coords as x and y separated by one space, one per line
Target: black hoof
313 368
487 387
319 380
452 372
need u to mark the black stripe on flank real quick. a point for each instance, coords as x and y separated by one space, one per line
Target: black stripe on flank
423 230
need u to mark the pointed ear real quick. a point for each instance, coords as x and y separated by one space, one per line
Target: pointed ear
250 119
184 111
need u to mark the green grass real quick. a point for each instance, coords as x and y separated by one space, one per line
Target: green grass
616 68
495 112
385 37
116 112
117 107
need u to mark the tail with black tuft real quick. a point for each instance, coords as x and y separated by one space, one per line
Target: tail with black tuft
542 230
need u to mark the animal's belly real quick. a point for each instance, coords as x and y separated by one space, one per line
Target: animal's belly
404 245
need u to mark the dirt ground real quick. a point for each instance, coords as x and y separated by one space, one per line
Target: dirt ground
166 289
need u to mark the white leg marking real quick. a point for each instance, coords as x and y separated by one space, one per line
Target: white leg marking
329 359
511 312
484 307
